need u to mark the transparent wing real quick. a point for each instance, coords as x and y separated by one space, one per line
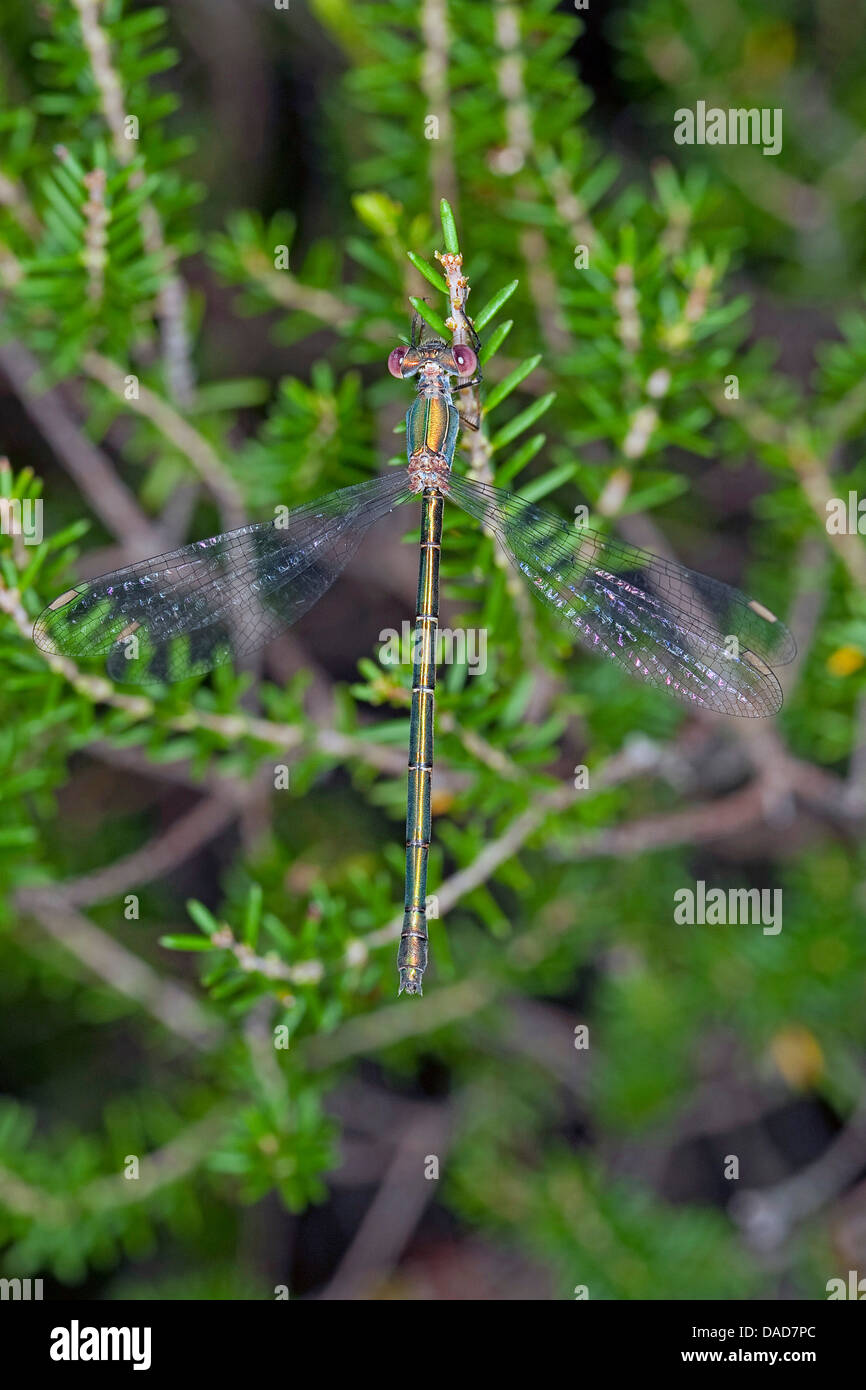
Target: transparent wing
680 631
182 613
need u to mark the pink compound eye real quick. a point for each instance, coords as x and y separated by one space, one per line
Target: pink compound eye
466 360
395 361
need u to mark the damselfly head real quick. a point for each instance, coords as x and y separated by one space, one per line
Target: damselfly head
433 356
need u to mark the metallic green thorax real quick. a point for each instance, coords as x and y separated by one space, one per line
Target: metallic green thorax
431 428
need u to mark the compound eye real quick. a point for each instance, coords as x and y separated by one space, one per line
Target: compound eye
466 359
395 361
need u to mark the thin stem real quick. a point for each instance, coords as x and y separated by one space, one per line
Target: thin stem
171 299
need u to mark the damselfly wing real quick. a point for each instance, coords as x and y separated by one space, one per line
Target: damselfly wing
673 628
217 600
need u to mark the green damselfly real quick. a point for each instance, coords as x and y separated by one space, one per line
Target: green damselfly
220 599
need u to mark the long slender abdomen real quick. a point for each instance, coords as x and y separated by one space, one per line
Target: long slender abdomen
412 955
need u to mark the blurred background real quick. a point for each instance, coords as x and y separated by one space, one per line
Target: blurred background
216 200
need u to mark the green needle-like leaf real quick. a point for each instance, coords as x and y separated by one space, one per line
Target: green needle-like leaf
181 942
523 421
449 228
253 915
495 304
496 339
508 383
202 918
428 271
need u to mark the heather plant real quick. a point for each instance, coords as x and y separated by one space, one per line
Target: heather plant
201 883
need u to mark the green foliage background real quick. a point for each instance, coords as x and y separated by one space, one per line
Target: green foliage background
263 386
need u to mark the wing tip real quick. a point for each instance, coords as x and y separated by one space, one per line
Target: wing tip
785 643
41 634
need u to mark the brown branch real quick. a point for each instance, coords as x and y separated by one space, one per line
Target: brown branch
434 85
514 158
125 973
184 838
92 470
291 294
13 197
172 426
168 1164
171 298
396 1209
768 1216
813 473
394 1023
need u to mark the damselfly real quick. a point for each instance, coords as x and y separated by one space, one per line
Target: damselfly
216 600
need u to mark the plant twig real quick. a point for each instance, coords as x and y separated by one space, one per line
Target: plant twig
92 470
193 445
434 84
396 1209
184 838
165 1000
171 298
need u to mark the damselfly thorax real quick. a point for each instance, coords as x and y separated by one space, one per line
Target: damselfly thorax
432 421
